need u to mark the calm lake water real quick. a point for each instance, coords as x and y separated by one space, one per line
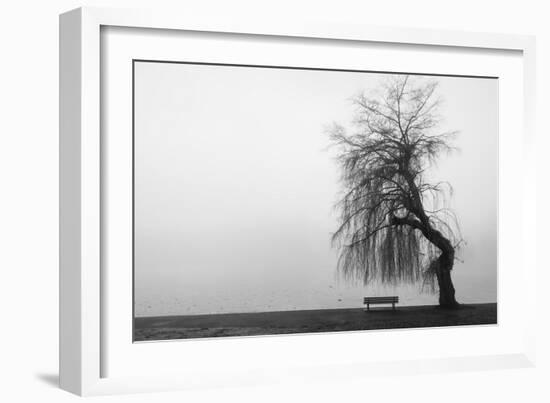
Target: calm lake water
261 298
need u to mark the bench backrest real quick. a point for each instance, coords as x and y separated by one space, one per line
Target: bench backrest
381 300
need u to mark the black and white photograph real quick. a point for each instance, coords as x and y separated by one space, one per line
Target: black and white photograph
282 200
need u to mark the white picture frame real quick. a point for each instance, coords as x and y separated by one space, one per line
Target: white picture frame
83 311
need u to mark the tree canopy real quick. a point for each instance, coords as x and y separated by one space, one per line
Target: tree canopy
394 224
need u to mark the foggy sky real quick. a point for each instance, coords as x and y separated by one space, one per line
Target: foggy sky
235 188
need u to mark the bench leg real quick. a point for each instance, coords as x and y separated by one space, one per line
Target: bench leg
368 307
393 305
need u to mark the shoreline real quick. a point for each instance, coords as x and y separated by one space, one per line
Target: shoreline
381 307
175 327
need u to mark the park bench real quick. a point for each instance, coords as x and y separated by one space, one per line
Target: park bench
368 301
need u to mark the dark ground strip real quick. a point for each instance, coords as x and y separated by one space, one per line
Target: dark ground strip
309 321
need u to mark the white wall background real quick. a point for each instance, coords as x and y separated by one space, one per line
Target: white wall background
28 205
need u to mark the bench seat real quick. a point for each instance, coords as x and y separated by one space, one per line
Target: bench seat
368 301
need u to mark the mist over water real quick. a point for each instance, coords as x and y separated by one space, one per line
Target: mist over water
327 297
235 189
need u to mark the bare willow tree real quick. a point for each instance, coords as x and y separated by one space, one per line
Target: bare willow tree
394 226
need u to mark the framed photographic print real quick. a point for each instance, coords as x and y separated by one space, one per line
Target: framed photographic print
236 198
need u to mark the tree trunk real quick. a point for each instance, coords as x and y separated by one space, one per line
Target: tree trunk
443 268
446 288
444 263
